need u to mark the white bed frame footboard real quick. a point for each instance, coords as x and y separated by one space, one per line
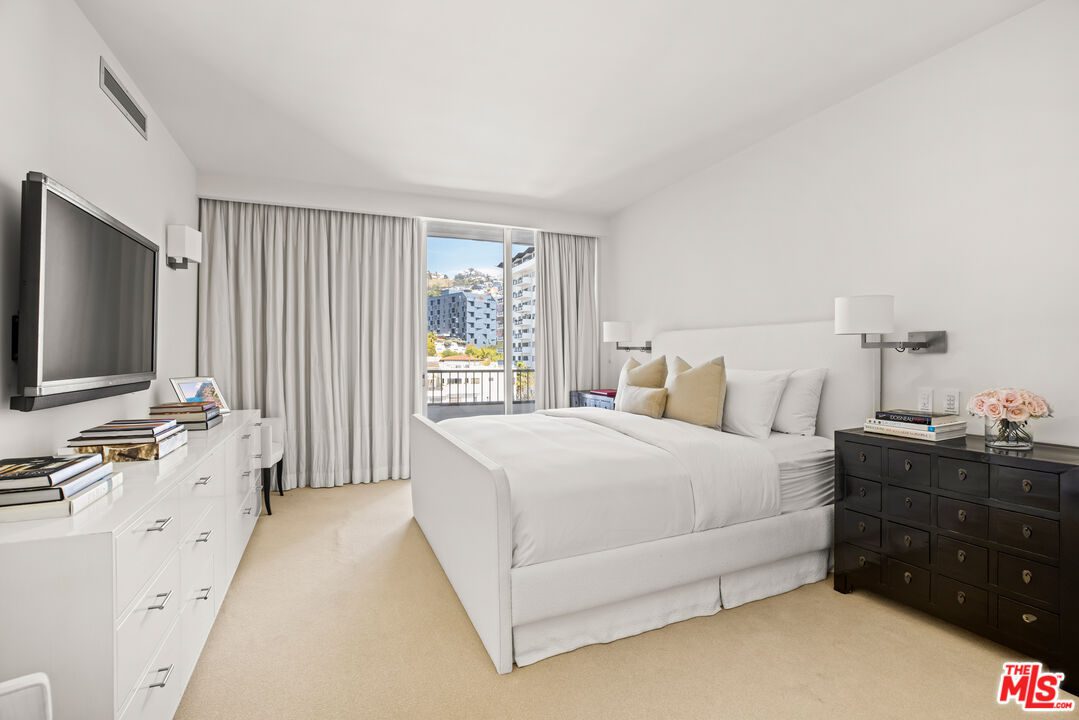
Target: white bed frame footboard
461 501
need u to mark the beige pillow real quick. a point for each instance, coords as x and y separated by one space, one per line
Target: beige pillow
696 395
650 375
642 401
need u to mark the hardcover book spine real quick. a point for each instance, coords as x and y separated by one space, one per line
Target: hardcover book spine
908 433
901 417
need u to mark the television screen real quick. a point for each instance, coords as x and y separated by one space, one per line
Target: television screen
98 295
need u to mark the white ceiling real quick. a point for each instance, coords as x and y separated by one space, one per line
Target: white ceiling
571 104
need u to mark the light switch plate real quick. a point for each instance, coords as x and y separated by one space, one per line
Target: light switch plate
925 399
951 401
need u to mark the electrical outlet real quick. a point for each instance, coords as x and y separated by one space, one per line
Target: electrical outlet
951 401
925 399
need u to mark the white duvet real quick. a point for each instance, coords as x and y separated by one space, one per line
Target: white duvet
586 479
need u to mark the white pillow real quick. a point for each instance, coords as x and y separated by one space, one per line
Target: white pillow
797 413
752 400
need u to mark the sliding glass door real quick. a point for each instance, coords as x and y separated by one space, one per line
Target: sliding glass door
480 320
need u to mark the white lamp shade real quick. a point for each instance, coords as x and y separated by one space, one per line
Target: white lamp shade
864 315
183 243
616 331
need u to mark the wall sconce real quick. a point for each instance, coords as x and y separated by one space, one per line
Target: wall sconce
183 244
616 331
875 315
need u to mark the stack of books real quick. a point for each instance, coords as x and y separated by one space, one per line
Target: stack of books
917 425
36 488
127 440
193 415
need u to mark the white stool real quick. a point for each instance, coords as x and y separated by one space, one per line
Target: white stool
26 698
273 454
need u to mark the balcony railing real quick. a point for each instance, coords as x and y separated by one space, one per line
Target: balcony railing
479 387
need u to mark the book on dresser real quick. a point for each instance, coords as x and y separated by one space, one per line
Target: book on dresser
69 506
122 446
193 415
985 540
39 472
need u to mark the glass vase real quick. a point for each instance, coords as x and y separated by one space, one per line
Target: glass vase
1008 434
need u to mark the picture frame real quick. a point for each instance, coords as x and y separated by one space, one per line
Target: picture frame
199 388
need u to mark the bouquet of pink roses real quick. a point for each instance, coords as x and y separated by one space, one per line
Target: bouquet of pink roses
1006 412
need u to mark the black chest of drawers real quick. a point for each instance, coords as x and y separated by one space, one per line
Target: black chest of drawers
986 540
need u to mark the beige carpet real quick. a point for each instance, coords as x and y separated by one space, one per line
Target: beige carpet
340 610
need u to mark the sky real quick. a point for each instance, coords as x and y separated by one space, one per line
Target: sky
453 255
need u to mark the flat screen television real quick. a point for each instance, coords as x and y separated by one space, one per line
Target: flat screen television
87 322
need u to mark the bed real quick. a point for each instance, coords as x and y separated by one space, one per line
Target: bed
602 535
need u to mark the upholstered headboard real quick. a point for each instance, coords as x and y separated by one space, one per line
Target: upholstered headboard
849 387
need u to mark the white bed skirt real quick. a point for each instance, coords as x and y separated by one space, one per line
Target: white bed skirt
542 639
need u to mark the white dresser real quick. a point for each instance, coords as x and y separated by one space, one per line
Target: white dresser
116 602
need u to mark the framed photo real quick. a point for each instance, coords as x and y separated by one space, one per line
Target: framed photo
199 389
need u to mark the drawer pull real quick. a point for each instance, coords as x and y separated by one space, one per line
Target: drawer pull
1027 531
164 600
907 577
204 536
861 561
961 555
962 474
1027 485
257 456
962 515
1029 618
861 457
163 681
907 465
1027 577
247 511
908 502
861 492
160 525
204 480
960 597
245 437
861 526
906 540
246 474
205 593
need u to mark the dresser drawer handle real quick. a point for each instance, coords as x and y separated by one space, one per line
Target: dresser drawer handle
247 511
245 437
962 515
861 561
246 474
1027 577
961 555
861 457
861 492
960 597
906 540
160 525
1027 531
257 456
861 526
962 474
907 577
204 536
163 681
205 593
908 502
1027 485
907 465
204 480
1029 618
164 600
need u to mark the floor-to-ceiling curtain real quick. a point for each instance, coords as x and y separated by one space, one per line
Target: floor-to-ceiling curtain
313 316
567 335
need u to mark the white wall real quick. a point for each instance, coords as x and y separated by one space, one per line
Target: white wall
953 186
56 120
330 197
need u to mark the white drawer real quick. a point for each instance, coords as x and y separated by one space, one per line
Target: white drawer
205 540
240 526
140 633
161 686
198 612
199 489
142 547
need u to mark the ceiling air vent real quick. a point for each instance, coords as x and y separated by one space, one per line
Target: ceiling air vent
112 87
